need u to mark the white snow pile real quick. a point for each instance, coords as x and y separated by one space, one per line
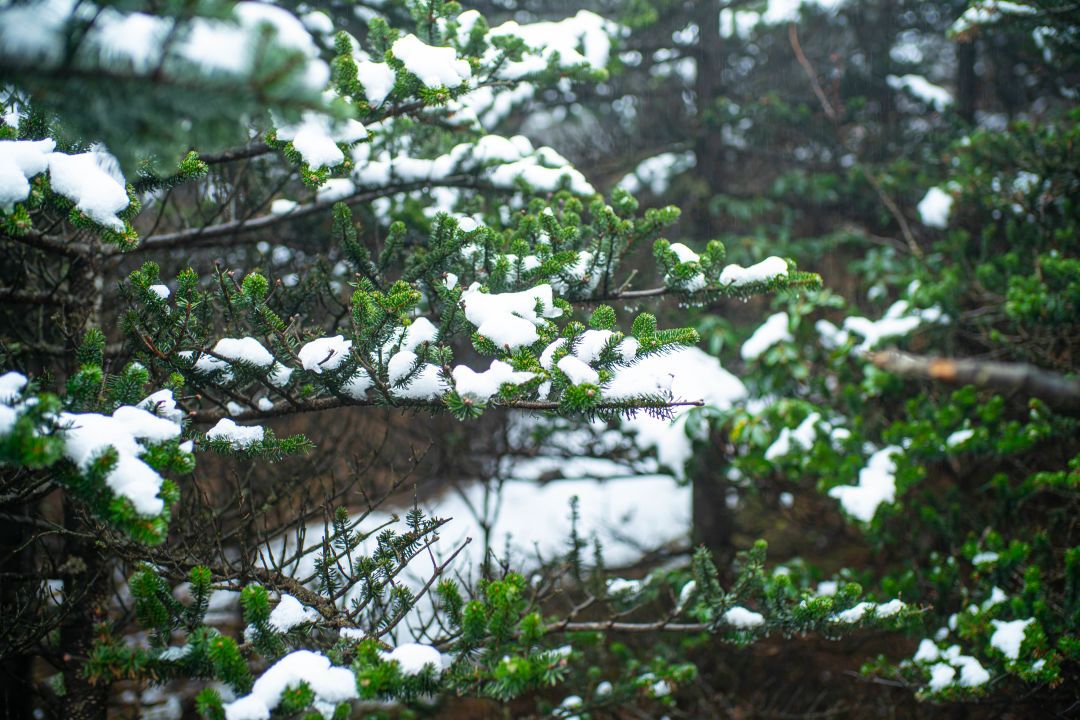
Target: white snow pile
656 173
160 403
958 438
34 33
509 319
877 484
686 255
378 78
578 372
773 331
935 208
504 161
1009 636
435 66
858 611
481 386
289 613
246 349
943 665
91 180
743 619
413 658
316 138
688 373
413 381
764 271
238 436
330 684
934 95
326 353
87 435
899 320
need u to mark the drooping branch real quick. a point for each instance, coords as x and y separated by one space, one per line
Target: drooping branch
1057 390
213 234
329 403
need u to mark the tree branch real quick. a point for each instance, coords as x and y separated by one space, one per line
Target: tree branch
1057 390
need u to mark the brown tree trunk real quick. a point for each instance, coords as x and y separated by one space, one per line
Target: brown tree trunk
708 138
713 522
966 81
86 585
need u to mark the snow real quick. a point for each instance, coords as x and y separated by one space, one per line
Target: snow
935 208
21 160
326 353
933 95
316 138
426 383
413 658
764 271
972 673
357 386
329 683
621 586
985 558
419 331
481 386
959 437
279 375
87 435
941 676
245 349
162 291
927 652
655 173
688 373
604 689
590 344
289 613
335 189
161 403
238 436
827 588
378 80
803 436
899 320
985 12
577 372
1009 636
434 66
856 613
743 619
547 357
11 386
772 331
877 484
509 319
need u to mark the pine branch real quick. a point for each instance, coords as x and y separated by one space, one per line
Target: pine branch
1057 390
328 403
223 233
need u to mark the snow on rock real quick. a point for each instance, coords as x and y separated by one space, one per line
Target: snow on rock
413 658
935 208
481 386
578 372
435 66
238 436
743 619
87 435
509 319
330 684
933 95
327 353
772 331
877 484
764 271
289 613
245 349
1009 636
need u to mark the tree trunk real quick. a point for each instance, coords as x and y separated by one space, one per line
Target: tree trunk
708 139
966 81
713 521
